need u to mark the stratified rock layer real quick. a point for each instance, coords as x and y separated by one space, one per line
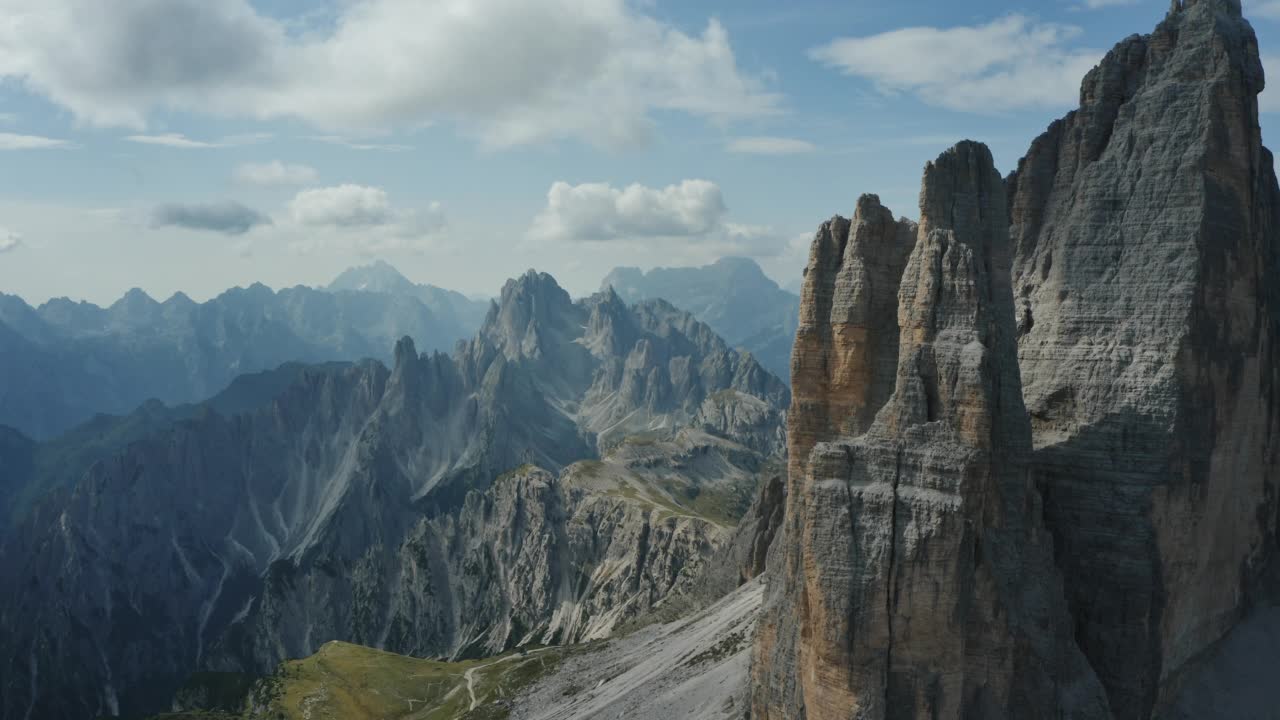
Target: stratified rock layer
916 580
914 576
1145 229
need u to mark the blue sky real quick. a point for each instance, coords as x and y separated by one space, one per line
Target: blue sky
199 144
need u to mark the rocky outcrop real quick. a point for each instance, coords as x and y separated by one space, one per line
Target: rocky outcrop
1146 234
361 504
916 576
916 580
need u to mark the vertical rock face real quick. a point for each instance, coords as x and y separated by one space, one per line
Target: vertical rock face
916 580
846 348
1145 226
1071 492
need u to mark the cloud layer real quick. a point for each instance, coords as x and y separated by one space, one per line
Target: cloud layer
229 218
1009 64
516 71
13 141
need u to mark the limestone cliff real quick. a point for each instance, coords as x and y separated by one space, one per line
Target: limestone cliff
1070 496
916 580
1145 227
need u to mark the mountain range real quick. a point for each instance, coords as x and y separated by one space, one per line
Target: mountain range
565 469
732 295
1028 466
67 361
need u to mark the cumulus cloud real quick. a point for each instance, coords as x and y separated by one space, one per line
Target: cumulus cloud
515 71
9 241
229 218
599 211
275 173
362 219
683 223
341 206
770 146
1008 64
12 141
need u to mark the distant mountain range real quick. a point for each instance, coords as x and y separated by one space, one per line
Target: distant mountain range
732 295
66 361
567 468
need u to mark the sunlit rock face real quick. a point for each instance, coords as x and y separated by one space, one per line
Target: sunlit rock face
1051 483
918 580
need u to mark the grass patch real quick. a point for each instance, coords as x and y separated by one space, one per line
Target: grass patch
351 682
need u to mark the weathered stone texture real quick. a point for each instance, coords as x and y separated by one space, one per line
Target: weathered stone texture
1098 332
1145 228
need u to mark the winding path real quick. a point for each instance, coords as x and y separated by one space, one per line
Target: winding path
470 674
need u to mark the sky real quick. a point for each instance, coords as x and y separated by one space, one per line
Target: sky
196 145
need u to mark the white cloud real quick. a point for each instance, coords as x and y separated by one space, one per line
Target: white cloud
341 206
511 71
175 140
9 241
684 224
770 146
178 140
362 219
598 211
275 173
359 145
1096 4
13 141
1010 63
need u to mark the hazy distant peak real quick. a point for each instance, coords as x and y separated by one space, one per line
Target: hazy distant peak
378 276
135 296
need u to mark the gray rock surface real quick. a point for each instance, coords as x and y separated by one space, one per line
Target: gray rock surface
694 668
916 579
1146 234
918 572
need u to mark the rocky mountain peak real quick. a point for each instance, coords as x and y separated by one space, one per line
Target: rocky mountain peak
378 276
405 352
865 616
531 312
